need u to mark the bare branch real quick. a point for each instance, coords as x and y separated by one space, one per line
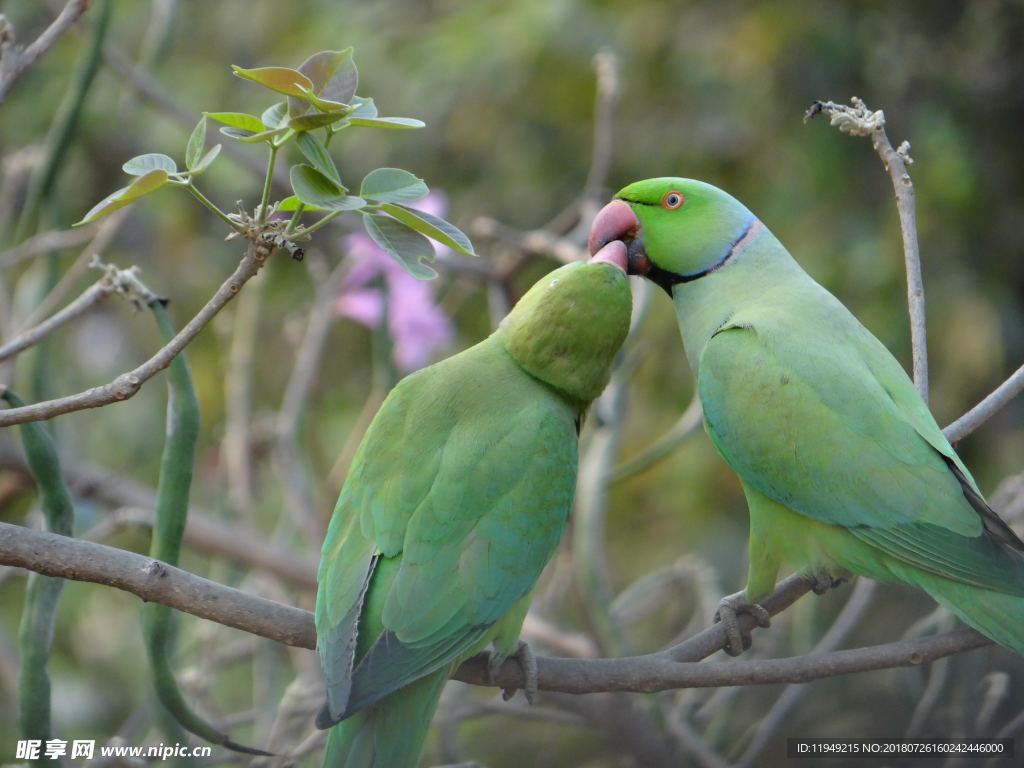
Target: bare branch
134 503
688 424
16 63
123 281
69 558
845 622
537 241
858 120
987 408
299 496
127 384
154 581
91 296
606 65
237 443
104 236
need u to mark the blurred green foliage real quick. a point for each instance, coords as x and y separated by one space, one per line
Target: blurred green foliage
712 90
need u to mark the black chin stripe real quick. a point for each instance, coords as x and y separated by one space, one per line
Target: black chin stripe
666 280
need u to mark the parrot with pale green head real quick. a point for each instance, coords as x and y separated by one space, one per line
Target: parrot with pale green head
843 466
456 500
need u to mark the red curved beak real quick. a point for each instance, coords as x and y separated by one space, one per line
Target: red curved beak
616 221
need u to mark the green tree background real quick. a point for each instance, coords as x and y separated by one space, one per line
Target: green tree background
711 90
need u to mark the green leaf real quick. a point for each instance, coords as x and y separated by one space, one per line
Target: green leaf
207 160
315 151
275 115
281 79
317 190
196 144
315 120
240 120
334 78
143 164
143 185
292 203
393 185
323 104
408 248
433 227
252 138
363 107
388 123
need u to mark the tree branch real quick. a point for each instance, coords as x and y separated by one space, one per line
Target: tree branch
69 558
16 63
127 384
134 503
987 408
858 120
156 582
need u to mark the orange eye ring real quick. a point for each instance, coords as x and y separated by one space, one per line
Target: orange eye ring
672 199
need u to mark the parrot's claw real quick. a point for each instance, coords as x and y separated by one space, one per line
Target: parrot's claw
823 582
729 609
527 661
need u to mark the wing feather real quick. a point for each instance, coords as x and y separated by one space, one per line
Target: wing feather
837 432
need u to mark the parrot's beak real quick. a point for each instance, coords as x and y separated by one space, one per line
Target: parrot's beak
616 221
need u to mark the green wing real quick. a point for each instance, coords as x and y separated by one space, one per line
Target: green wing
821 418
462 488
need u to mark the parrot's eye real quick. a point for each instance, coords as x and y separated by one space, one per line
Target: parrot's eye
672 200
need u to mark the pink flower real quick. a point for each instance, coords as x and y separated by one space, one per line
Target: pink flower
376 284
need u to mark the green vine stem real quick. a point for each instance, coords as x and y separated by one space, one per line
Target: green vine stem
176 466
35 635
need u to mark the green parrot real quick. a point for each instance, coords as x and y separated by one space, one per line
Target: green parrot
456 500
843 466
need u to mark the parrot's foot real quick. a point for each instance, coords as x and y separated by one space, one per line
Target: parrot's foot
729 609
823 582
527 661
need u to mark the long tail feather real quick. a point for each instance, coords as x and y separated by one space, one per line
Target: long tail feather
391 733
996 615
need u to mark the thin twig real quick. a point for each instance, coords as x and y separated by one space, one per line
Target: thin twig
237 443
127 384
89 298
847 620
606 66
987 408
687 425
108 229
46 242
295 484
858 120
538 241
16 63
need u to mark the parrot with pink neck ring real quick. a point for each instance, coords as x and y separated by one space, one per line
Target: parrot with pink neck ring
843 466
456 500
